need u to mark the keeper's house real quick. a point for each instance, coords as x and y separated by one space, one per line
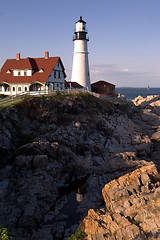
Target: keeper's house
32 74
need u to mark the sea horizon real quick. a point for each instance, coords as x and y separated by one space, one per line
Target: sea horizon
133 92
138 87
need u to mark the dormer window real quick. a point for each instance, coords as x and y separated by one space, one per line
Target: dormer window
41 70
25 73
19 73
8 71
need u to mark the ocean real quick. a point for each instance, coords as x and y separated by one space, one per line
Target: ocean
132 93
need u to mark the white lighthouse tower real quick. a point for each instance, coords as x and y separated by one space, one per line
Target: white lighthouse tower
80 69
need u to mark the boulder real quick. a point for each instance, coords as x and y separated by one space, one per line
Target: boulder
132 208
39 161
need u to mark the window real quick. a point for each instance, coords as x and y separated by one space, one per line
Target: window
25 89
59 74
25 73
54 74
19 89
8 71
13 89
19 73
57 84
58 64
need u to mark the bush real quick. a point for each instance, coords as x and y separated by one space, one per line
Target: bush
58 94
78 236
3 96
125 107
4 233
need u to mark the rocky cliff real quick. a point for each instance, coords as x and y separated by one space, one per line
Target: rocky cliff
55 150
132 208
132 202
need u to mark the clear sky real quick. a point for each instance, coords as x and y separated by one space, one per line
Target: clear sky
124 46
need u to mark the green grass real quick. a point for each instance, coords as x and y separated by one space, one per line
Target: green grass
88 99
4 233
58 94
14 101
80 235
2 96
124 107
135 222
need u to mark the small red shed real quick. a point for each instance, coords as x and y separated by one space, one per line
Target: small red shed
103 87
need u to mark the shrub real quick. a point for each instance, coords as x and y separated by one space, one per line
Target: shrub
2 96
135 222
58 93
4 233
78 236
124 107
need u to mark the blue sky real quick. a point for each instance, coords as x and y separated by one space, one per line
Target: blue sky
124 46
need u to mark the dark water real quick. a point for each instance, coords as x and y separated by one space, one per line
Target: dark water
132 93
75 194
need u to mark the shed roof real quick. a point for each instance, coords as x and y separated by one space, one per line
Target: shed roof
101 83
73 84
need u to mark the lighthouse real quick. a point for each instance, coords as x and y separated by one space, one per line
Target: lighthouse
80 68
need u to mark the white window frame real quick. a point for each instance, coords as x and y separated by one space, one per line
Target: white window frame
20 87
25 87
13 87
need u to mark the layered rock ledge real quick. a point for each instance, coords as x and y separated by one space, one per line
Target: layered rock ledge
132 208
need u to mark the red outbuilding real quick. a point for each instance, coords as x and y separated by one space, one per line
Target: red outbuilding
103 87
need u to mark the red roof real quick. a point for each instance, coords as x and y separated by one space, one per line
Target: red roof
34 64
101 83
17 64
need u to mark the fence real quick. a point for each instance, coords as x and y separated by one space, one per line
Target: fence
14 98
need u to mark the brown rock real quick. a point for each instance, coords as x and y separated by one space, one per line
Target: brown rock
133 208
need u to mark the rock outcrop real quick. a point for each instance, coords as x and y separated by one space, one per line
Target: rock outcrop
132 208
132 205
55 150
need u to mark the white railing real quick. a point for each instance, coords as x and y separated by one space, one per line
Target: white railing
13 99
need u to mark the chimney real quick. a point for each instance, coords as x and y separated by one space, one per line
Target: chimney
46 55
18 56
